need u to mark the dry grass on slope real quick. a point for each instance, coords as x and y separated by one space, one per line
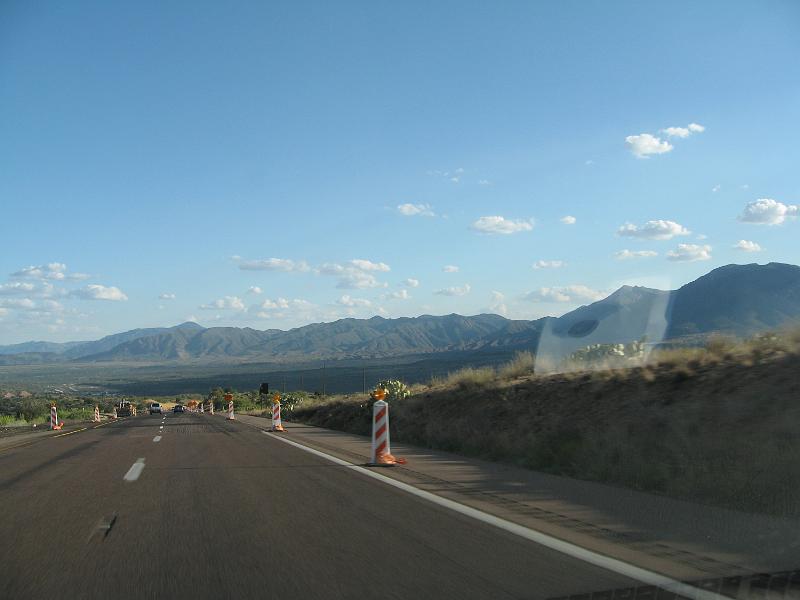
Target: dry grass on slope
718 425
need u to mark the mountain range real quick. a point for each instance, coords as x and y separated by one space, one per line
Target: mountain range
735 299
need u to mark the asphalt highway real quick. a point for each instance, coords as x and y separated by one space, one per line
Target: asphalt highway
194 506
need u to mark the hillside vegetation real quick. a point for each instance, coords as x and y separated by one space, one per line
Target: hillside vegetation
719 424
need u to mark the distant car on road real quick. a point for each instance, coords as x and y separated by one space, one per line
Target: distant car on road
155 407
178 408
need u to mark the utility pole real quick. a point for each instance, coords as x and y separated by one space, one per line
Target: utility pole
323 378
364 377
284 383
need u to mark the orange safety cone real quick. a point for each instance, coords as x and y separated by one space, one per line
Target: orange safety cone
276 413
381 448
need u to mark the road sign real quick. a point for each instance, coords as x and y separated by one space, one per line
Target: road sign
264 389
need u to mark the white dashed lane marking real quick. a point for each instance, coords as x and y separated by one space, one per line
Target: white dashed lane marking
157 438
135 470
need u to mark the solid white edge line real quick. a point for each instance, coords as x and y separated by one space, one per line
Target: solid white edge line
135 470
594 558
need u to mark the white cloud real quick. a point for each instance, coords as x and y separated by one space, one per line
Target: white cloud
497 303
411 282
689 253
628 254
683 132
16 287
19 303
645 144
281 308
679 132
354 302
500 225
716 188
54 271
286 265
398 295
225 303
766 211
484 182
413 210
95 291
450 269
367 265
747 246
568 220
549 264
571 293
701 236
454 291
166 296
357 274
277 304
3 312
454 176
254 289
653 230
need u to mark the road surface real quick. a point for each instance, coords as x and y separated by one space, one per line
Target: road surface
194 506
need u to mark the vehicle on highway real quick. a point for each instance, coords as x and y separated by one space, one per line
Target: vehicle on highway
178 408
125 409
155 407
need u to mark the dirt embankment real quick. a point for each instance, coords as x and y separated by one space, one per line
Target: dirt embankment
725 433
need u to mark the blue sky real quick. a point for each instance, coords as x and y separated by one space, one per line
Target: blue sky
273 164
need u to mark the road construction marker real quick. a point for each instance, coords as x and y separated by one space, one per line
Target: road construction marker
381 448
157 438
276 414
230 416
135 470
96 418
54 424
573 550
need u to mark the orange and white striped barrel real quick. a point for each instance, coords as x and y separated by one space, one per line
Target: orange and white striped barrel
54 417
230 416
96 414
276 417
380 430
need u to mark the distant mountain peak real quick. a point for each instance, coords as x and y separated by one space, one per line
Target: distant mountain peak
189 325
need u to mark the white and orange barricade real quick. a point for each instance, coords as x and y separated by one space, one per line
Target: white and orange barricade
115 412
211 407
381 447
229 398
201 407
276 413
54 424
96 418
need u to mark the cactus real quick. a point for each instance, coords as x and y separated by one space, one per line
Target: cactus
395 389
